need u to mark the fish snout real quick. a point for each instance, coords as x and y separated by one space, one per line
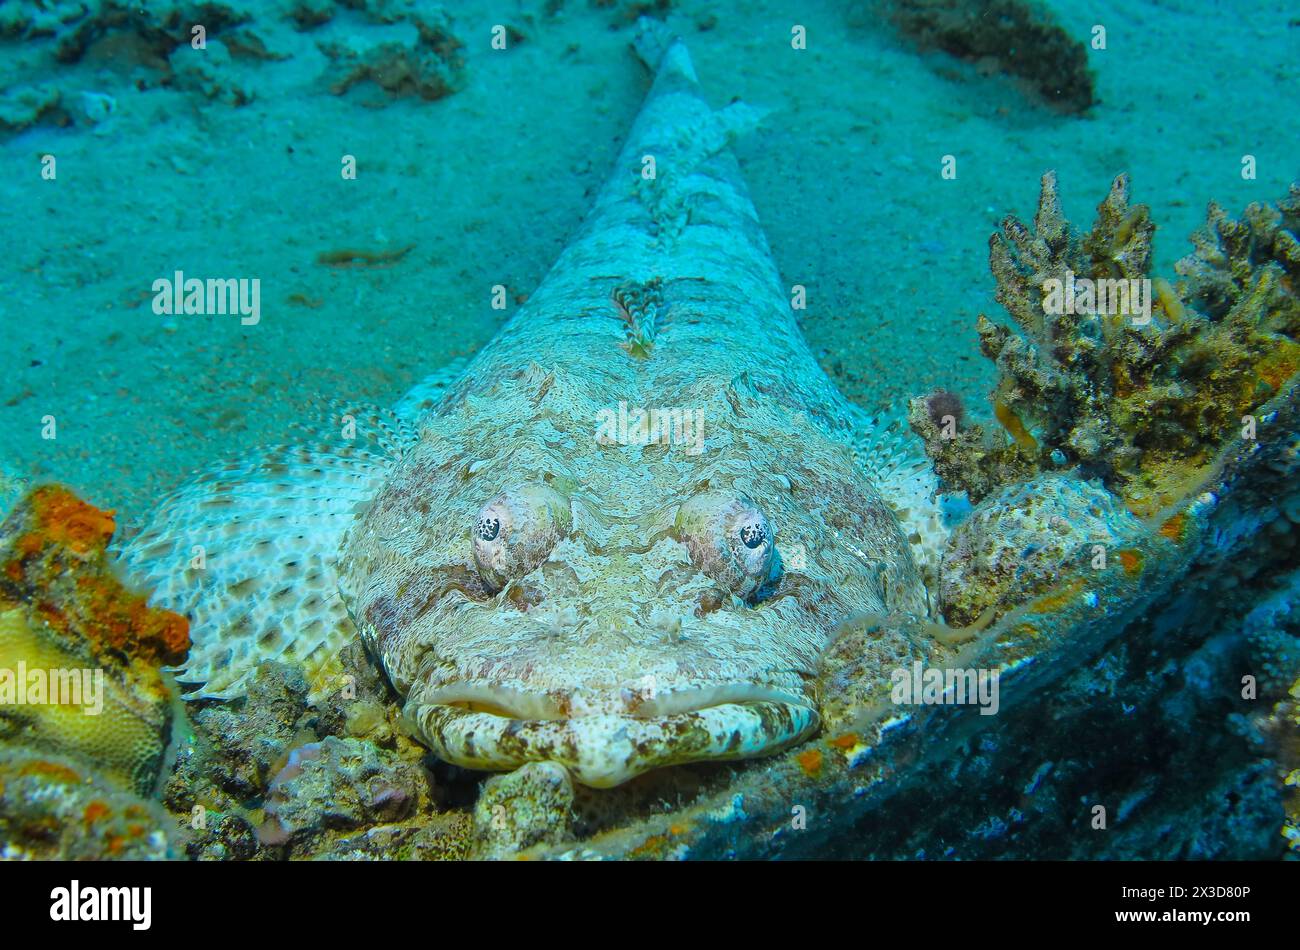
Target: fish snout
606 737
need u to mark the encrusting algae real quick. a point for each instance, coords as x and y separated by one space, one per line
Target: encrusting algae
80 655
55 808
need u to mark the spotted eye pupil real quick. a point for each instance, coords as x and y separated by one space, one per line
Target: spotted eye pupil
488 528
753 535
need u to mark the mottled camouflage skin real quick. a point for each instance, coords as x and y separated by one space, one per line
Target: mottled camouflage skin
539 585
617 623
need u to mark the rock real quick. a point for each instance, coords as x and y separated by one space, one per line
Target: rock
420 57
53 807
1021 541
23 106
224 837
250 740
340 785
528 806
149 31
210 73
1015 37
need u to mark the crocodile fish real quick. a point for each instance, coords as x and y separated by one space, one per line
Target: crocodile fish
619 538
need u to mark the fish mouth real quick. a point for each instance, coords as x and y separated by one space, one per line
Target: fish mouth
607 740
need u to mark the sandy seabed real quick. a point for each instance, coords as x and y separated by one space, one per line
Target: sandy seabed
487 184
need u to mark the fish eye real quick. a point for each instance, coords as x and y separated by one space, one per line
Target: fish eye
753 534
729 539
515 532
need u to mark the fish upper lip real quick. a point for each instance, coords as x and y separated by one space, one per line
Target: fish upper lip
636 701
495 700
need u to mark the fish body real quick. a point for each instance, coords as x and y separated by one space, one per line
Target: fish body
620 539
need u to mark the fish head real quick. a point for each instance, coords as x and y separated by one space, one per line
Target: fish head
544 590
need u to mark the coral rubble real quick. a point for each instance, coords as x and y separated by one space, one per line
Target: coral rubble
21 106
53 50
341 785
525 807
279 775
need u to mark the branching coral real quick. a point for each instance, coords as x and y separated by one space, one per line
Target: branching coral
1228 253
1130 380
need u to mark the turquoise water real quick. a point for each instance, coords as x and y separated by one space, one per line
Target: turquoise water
878 175
488 183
